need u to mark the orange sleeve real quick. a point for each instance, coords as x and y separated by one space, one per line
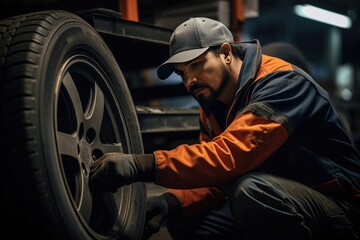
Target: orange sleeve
243 146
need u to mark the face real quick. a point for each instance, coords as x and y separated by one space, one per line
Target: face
205 77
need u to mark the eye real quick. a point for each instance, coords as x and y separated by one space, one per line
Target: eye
195 65
180 73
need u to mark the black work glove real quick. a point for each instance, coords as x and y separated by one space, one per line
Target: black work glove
158 209
114 170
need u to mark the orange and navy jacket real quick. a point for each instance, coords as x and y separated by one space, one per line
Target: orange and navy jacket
280 122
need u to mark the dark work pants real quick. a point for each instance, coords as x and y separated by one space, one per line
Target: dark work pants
263 206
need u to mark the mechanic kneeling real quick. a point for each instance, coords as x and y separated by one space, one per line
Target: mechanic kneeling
274 160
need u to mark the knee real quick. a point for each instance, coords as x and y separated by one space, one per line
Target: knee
252 185
251 194
261 203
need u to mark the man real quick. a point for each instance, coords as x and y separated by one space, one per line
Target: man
273 162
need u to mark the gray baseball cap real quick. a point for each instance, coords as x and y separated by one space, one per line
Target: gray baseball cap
191 39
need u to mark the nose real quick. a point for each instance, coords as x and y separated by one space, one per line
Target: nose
190 81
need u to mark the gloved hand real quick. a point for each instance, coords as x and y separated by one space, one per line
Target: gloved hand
114 170
158 209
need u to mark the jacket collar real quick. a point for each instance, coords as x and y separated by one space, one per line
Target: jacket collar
251 58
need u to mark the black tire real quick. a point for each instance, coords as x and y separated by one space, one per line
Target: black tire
64 103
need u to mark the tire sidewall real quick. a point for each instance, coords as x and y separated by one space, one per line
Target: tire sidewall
69 37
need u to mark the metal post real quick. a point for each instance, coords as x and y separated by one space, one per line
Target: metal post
129 10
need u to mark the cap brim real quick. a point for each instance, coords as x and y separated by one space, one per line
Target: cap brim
167 68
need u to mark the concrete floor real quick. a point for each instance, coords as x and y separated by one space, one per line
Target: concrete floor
161 235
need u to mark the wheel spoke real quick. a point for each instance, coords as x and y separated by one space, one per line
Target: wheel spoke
116 147
95 110
67 144
74 96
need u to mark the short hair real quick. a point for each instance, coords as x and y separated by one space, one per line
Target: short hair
237 50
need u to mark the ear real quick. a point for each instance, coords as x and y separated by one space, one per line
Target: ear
226 50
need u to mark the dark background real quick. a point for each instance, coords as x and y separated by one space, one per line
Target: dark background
332 52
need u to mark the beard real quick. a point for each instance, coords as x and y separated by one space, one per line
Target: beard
208 102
